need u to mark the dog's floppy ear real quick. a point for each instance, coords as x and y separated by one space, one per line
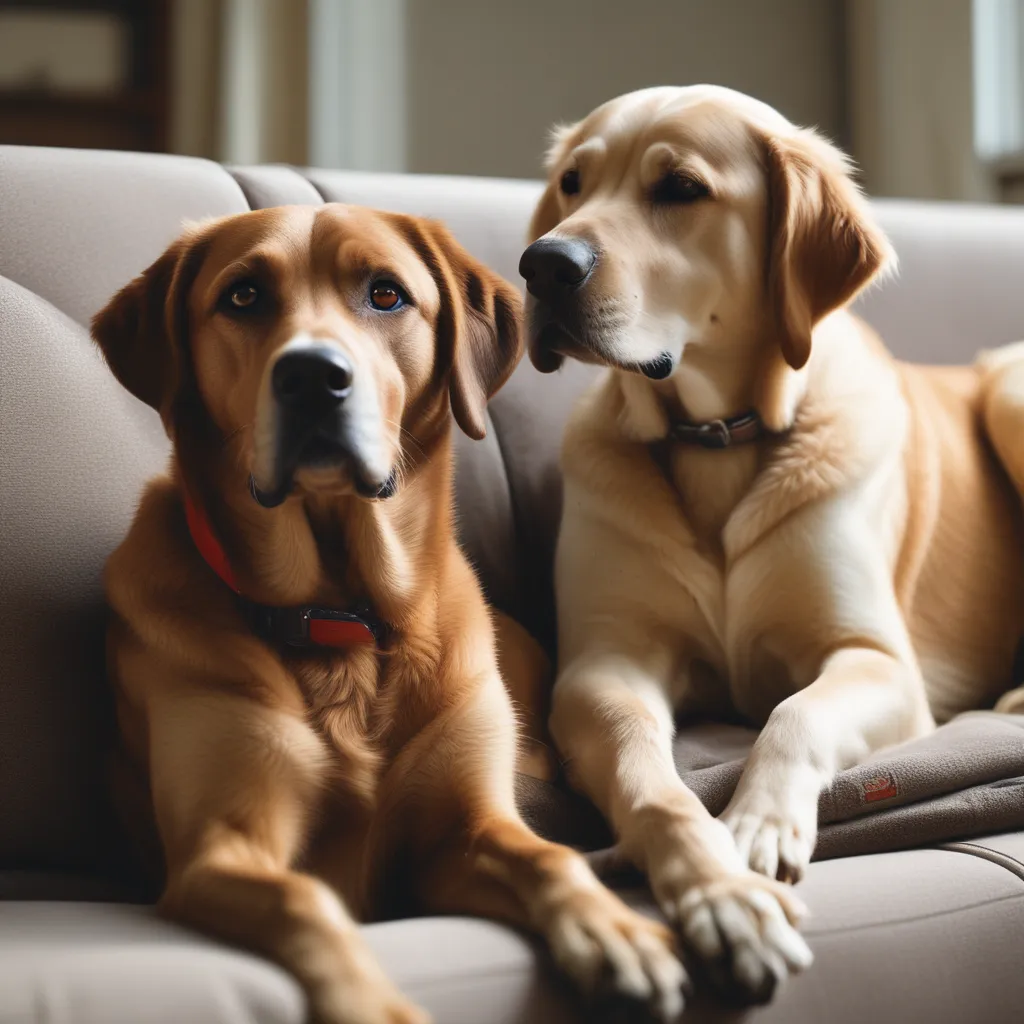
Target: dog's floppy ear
140 330
479 328
823 246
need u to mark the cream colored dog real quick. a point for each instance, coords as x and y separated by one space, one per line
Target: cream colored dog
764 511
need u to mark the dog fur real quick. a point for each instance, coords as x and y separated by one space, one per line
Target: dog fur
296 793
845 581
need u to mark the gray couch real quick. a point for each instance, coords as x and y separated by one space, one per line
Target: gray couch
919 934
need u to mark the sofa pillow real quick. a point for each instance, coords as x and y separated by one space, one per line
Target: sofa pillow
75 453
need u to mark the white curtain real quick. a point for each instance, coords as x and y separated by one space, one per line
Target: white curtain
912 99
241 80
319 82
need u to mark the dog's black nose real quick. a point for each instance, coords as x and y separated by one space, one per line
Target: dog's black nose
314 377
552 267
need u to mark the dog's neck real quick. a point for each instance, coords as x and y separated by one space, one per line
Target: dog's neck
715 381
330 549
718 380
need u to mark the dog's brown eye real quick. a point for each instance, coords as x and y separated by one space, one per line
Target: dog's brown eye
385 295
679 188
570 183
242 296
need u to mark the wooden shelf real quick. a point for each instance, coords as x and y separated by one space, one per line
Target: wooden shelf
136 118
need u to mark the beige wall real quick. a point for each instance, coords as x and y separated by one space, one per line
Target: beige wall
486 79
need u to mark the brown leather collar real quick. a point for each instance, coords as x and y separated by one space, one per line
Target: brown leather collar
719 434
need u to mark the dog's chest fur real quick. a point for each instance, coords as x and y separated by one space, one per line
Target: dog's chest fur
711 485
366 706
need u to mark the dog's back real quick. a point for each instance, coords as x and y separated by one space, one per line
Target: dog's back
961 589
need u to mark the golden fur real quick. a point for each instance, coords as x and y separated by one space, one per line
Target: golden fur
296 793
843 581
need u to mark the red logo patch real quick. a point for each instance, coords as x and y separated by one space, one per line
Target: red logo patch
881 787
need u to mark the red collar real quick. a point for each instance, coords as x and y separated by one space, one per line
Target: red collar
302 626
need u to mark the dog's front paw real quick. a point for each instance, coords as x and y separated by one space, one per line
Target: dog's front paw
743 927
740 925
619 958
775 835
358 991
345 1005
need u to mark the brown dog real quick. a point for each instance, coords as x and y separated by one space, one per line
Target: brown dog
792 525
311 358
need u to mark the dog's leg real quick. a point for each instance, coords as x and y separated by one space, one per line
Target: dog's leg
233 786
613 724
453 791
863 699
526 672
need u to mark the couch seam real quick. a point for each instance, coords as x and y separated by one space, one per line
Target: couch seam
298 172
316 188
846 929
1004 860
241 188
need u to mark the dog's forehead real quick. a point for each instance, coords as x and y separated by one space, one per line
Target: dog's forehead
702 115
360 234
282 229
297 239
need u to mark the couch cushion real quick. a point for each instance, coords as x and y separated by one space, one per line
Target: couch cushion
71 481
82 963
274 185
957 290
76 225
96 963
920 935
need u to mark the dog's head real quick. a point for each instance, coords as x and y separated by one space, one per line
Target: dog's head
321 339
682 217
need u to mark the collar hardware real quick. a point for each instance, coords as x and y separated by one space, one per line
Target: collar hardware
719 434
302 626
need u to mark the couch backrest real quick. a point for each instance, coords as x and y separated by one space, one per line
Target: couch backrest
75 448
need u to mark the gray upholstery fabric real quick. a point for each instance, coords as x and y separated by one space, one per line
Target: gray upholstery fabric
966 779
920 935
68 489
97 963
76 225
273 185
952 295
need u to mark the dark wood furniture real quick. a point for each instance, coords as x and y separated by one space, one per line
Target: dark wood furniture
135 118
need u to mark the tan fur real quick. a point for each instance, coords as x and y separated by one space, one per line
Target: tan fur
296 793
843 582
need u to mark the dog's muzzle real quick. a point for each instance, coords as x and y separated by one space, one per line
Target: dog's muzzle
310 388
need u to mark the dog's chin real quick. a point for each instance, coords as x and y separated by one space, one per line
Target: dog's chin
325 469
552 343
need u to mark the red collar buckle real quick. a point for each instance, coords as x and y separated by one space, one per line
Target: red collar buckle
311 626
